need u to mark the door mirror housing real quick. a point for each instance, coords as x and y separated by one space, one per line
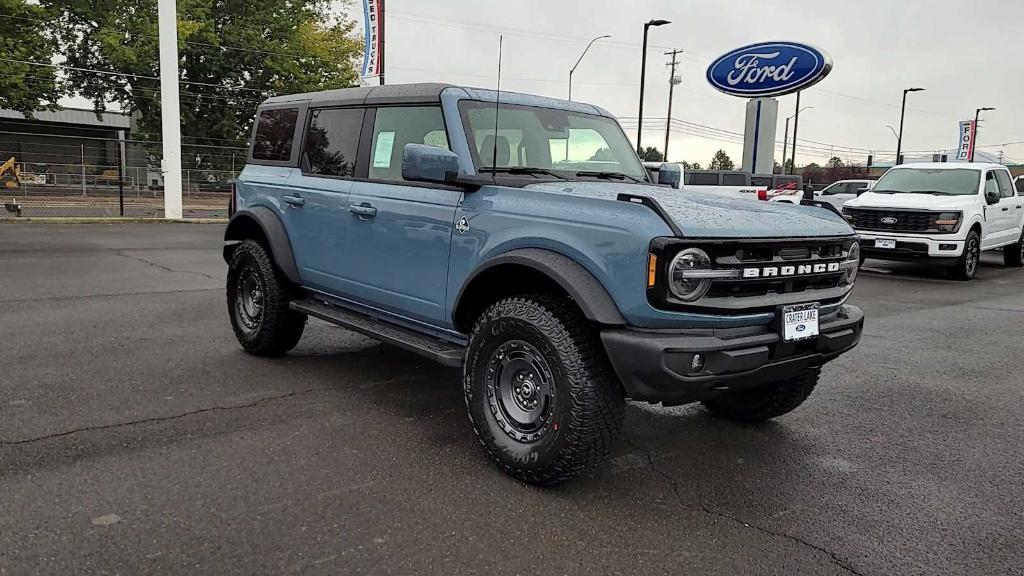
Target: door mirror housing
424 163
670 174
992 197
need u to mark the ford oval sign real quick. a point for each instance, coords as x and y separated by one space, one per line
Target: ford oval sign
769 69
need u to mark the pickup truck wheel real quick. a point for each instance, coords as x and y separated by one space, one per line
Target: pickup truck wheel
258 296
967 264
541 395
1013 255
767 402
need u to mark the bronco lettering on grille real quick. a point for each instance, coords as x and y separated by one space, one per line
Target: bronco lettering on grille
801 270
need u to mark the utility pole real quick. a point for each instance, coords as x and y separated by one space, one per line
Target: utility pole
170 115
673 80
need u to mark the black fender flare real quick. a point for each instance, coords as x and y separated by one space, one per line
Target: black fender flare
590 295
268 222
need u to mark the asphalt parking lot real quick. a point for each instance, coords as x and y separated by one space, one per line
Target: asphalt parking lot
136 437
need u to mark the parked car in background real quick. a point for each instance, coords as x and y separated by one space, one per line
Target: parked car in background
729 183
945 213
836 194
539 258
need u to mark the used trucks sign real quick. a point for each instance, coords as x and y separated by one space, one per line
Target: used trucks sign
769 69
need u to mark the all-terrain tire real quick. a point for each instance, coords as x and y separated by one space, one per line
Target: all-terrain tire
575 424
257 297
767 402
967 264
1013 255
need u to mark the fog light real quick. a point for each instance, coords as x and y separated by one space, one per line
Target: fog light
947 246
697 364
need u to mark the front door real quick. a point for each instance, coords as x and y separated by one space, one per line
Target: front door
999 215
398 234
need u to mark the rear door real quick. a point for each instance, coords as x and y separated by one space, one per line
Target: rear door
398 234
316 208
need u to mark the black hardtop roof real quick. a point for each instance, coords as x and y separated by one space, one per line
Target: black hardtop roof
393 94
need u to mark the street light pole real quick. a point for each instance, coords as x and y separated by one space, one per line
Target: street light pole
903 112
785 139
643 76
977 113
585 50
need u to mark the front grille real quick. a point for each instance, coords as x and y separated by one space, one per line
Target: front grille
773 271
891 220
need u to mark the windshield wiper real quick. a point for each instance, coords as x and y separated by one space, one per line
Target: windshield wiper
609 176
933 192
530 170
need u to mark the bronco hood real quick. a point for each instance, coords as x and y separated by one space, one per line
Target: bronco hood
708 216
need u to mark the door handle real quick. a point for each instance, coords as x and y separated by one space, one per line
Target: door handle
294 200
363 210
1006 209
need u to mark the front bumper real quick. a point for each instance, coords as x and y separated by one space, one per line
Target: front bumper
655 365
912 247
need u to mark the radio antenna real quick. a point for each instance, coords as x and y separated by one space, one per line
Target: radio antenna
497 110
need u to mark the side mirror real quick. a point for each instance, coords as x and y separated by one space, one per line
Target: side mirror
992 197
862 190
671 175
808 193
423 163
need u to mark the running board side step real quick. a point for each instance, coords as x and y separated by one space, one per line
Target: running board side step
445 353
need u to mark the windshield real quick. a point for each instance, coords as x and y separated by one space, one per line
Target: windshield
955 182
548 141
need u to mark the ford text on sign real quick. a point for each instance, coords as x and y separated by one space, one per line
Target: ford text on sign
769 69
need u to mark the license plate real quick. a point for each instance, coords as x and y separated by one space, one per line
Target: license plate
799 322
884 243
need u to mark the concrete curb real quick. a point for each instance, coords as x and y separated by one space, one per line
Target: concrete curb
112 220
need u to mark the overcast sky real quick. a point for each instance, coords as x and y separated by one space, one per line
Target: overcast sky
966 54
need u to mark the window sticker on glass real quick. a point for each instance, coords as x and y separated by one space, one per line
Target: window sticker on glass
382 151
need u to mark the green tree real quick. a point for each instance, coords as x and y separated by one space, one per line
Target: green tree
232 55
27 87
651 154
603 155
721 161
835 162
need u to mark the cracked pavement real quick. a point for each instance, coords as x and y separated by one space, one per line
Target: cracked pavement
136 437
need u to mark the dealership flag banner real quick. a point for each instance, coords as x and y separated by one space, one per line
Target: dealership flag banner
373 23
965 147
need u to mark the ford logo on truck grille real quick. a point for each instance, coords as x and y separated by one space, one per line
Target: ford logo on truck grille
769 69
889 220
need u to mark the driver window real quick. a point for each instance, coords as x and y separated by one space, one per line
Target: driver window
393 128
833 189
991 186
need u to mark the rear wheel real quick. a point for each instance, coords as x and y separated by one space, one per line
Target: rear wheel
967 264
767 402
258 296
542 397
1013 255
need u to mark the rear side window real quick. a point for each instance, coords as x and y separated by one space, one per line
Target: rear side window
734 180
1020 185
394 127
274 134
705 179
333 141
1005 186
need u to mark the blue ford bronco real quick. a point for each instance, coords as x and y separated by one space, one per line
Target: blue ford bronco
521 239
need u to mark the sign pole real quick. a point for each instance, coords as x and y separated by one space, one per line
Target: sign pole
170 116
380 18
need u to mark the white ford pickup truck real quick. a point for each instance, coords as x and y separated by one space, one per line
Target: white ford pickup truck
942 213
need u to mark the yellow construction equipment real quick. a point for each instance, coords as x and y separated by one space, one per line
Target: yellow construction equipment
10 173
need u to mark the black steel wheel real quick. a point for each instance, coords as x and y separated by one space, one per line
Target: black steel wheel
257 298
540 393
967 265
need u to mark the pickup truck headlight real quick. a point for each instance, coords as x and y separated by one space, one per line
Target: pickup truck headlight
688 274
947 222
852 263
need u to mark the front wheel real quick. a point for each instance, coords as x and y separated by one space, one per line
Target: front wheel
1013 255
967 264
541 395
766 402
257 298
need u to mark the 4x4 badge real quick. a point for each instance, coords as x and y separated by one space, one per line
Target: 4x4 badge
462 226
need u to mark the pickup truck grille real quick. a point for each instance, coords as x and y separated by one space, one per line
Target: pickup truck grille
774 272
891 220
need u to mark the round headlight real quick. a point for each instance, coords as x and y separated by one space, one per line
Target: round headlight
853 258
684 286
